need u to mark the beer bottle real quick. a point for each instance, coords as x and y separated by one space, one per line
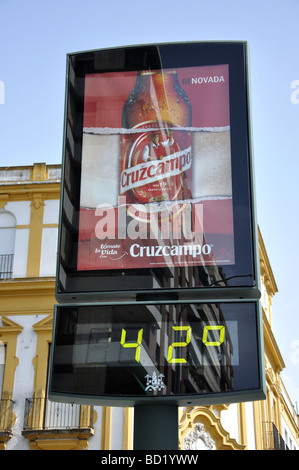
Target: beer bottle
156 153
156 97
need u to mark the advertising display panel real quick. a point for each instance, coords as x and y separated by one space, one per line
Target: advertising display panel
188 354
157 181
165 188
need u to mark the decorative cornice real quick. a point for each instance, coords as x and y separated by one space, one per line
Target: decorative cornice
27 296
271 348
265 267
44 325
25 191
9 326
69 439
28 286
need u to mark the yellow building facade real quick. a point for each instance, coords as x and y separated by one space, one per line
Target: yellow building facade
29 210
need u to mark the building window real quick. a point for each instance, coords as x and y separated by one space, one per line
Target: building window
7 246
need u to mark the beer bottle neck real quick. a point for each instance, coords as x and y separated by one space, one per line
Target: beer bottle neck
160 78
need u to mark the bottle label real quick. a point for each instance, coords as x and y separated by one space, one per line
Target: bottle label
156 167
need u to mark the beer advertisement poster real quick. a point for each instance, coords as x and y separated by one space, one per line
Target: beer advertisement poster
156 176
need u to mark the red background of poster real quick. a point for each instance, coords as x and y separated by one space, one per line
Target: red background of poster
105 95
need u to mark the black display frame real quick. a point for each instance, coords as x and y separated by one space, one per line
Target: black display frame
240 280
254 392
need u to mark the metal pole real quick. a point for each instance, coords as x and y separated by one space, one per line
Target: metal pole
156 427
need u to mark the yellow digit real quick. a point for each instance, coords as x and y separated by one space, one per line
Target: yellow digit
179 344
221 328
132 345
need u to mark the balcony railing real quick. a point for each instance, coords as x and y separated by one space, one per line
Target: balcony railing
6 415
272 438
41 414
6 266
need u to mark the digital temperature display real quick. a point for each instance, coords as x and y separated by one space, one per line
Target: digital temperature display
188 353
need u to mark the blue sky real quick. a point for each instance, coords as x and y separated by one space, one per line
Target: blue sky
35 37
